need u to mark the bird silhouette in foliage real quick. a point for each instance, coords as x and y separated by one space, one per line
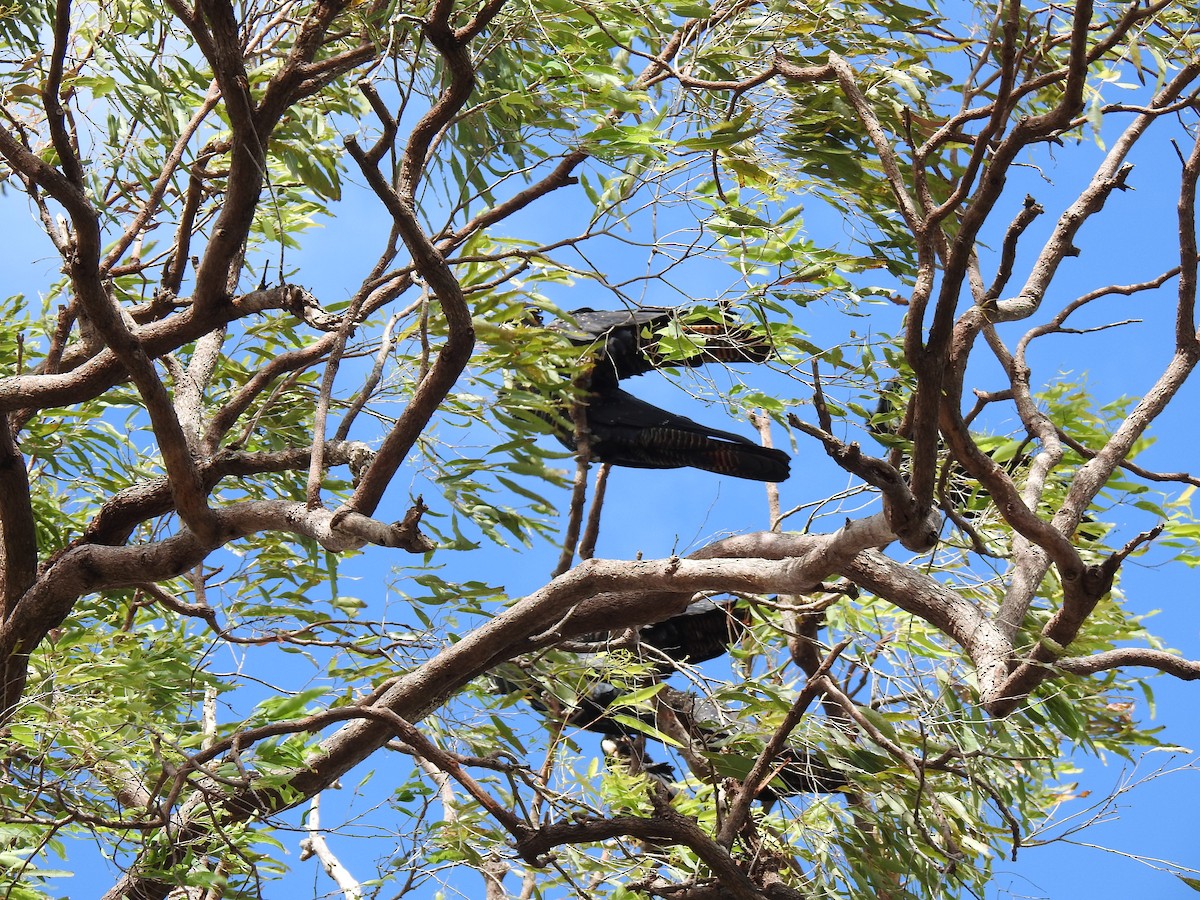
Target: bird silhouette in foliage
730 743
627 341
589 711
793 772
703 631
626 753
627 431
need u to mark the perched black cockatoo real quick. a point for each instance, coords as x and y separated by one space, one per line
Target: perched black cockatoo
589 711
703 631
626 431
797 772
626 340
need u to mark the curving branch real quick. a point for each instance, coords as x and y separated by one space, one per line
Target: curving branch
847 80
432 266
667 825
87 374
1185 669
461 82
133 505
917 527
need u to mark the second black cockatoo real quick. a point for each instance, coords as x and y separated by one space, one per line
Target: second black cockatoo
703 631
589 710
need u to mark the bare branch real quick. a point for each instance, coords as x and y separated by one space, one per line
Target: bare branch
408 733
321 413
316 845
461 82
907 207
591 531
917 528
583 457
152 203
1123 657
763 424
386 342
64 145
1008 253
1186 336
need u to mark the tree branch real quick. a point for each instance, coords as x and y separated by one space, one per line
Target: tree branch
667 825
18 528
1185 669
89 568
758 776
452 358
64 146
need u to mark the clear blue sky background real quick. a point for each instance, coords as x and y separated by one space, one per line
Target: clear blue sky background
1133 239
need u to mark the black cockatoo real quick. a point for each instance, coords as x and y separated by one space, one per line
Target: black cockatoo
627 340
626 431
703 631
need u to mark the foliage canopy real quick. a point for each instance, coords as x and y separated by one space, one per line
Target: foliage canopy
296 247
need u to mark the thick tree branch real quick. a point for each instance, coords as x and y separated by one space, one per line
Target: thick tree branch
667 825
1123 657
1062 628
294 78
452 358
915 526
18 528
217 33
92 374
138 503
